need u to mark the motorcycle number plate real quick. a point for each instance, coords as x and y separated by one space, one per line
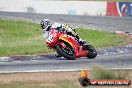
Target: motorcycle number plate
49 39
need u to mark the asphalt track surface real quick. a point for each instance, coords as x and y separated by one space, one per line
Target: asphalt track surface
50 63
121 61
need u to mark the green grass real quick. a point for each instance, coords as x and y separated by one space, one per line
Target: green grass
20 37
98 72
101 39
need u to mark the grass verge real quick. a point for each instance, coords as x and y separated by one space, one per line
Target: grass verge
102 73
62 84
50 80
20 37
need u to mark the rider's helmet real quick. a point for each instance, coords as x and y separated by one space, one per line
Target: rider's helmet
45 24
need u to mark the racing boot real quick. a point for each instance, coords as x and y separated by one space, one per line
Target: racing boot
82 42
58 55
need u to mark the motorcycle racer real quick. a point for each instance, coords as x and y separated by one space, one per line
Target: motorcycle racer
46 26
55 39
71 31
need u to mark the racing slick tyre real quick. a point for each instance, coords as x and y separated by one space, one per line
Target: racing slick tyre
91 55
66 52
91 52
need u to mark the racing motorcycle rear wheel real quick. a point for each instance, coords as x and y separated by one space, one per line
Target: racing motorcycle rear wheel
67 52
92 53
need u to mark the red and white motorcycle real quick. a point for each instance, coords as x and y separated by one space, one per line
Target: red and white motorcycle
67 46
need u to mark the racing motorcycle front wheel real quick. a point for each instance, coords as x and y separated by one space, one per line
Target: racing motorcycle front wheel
67 51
